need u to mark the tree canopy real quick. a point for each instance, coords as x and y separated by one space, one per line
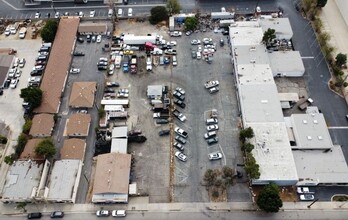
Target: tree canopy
341 59
46 148
321 3
269 199
48 32
246 133
268 36
191 23
158 14
173 7
32 95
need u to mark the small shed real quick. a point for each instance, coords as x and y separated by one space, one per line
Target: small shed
154 91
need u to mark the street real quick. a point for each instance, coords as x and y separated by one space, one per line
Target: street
205 214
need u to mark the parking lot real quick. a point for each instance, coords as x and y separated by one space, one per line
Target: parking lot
153 157
12 111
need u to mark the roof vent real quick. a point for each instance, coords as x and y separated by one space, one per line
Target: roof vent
304 121
315 121
320 137
309 138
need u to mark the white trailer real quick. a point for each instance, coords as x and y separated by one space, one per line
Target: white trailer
123 102
138 40
222 15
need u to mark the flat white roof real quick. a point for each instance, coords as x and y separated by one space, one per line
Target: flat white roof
154 90
246 36
21 178
114 101
322 166
252 74
310 131
119 145
288 96
272 152
286 61
251 54
260 103
113 108
63 179
280 25
120 132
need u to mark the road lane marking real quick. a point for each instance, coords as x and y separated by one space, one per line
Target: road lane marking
307 57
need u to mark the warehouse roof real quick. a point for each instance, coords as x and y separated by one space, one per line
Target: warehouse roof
272 152
252 74
62 184
246 36
254 54
119 145
286 61
321 166
120 132
281 25
310 131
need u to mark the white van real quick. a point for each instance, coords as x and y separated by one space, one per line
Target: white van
130 12
119 12
110 12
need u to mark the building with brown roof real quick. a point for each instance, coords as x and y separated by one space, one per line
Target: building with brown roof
73 148
42 125
111 180
82 94
29 150
78 125
56 71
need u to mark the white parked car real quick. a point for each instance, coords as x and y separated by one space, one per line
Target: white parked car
215 156
181 156
74 70
80 14
212 127
99 38
37 15
102 213
56 15
14 83
307 197
118 213
304 190
21 63
92 13
182 117
175 33
195 42
180 90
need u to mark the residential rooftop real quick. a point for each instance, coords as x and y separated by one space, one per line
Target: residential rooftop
73 148
42 125
82 94
78 124
29 150
56 72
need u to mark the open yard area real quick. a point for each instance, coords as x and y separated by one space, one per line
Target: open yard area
152 166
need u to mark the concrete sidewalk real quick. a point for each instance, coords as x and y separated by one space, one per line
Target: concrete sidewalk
134 206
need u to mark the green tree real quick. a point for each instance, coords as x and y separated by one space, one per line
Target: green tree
269 199
27 125
32 95
227 172
48 32
101 112
321 3
191 23
3 140
246 133
46 148
9 159
22 205
341 59
251 167
209 177
247 147
21 142
268 36
158 14
173 7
